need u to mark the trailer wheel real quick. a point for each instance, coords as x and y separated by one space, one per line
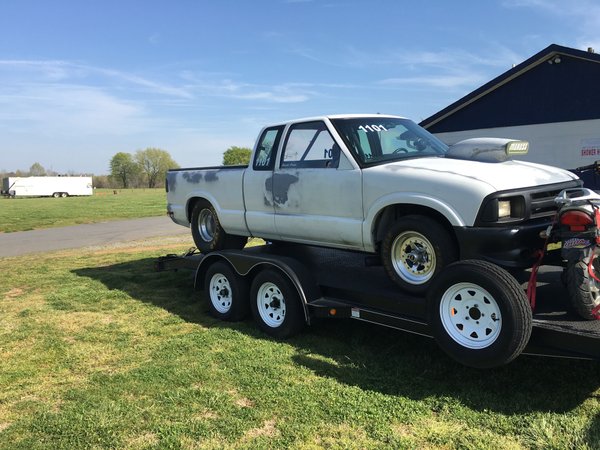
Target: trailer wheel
64 194
276 305
479 314
56 195
414 250
584 291
207 231
227 292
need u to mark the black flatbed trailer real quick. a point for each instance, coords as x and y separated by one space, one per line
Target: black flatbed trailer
342 284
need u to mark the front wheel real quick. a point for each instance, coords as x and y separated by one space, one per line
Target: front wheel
478 313
414 250
227 292
276 305
207 231
584 290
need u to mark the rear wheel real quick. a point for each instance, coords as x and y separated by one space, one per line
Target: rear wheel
584 290
64 194
276 305
414 250
227 292
479 314
207 231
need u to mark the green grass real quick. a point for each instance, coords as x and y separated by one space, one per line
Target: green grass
99 351
21 214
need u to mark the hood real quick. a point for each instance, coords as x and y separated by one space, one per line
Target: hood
500 176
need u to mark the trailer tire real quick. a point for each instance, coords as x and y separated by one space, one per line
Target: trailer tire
64 194
56 195
276 305
226 292
207 231
414 250
478 314
584 291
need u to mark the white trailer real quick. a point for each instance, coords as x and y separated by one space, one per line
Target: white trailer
47 186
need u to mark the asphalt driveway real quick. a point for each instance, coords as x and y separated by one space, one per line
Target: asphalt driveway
75 236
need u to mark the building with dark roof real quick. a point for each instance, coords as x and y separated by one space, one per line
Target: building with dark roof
551 100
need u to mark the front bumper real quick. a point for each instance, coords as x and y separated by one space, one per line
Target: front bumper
510 247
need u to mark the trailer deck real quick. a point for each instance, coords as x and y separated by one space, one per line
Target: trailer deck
353 285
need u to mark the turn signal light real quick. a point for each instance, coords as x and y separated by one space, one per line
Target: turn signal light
576 220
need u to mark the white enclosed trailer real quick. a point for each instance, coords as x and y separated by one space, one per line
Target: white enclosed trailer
47 186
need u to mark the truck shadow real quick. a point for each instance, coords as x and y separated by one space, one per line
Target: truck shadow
380 359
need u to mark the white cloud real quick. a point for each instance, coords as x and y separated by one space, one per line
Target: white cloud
581 15
66 110
467 80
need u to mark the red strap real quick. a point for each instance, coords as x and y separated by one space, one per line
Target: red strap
596 312
531 286
539 254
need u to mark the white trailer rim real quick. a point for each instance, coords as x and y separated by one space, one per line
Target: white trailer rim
413 257
470 315
270 303
220 293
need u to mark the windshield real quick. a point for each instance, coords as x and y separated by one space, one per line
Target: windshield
374 140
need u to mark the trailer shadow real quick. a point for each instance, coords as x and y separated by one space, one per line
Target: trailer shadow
379 359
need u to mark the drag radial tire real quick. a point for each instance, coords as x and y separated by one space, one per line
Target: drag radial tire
584 290
478 314
276 305
414 249
226 292
207 231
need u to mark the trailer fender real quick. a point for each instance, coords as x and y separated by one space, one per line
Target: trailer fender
248 265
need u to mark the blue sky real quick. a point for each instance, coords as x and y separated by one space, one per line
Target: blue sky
83 80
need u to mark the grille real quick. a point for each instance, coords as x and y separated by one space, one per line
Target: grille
541 202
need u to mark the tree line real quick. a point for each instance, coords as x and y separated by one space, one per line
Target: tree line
144 168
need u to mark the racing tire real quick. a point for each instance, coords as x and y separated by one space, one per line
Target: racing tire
414 250
478 314
207 231
276 305
226 292
584 291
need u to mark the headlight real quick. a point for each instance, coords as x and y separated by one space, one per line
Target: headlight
503 209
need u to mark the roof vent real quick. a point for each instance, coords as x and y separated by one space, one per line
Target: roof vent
591 50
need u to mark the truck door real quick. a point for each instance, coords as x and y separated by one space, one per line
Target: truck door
258 194
317 192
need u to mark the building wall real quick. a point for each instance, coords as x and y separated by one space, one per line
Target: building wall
563 144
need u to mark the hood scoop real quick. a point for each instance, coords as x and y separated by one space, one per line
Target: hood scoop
490 150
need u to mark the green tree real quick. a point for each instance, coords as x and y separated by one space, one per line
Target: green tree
37 170
123 169
236 156
154 163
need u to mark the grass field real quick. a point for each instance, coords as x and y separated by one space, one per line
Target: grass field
99 351
21 214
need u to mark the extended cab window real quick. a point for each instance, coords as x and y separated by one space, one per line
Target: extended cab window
266 150
310 145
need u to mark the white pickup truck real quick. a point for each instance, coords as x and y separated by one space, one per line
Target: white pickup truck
377 184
